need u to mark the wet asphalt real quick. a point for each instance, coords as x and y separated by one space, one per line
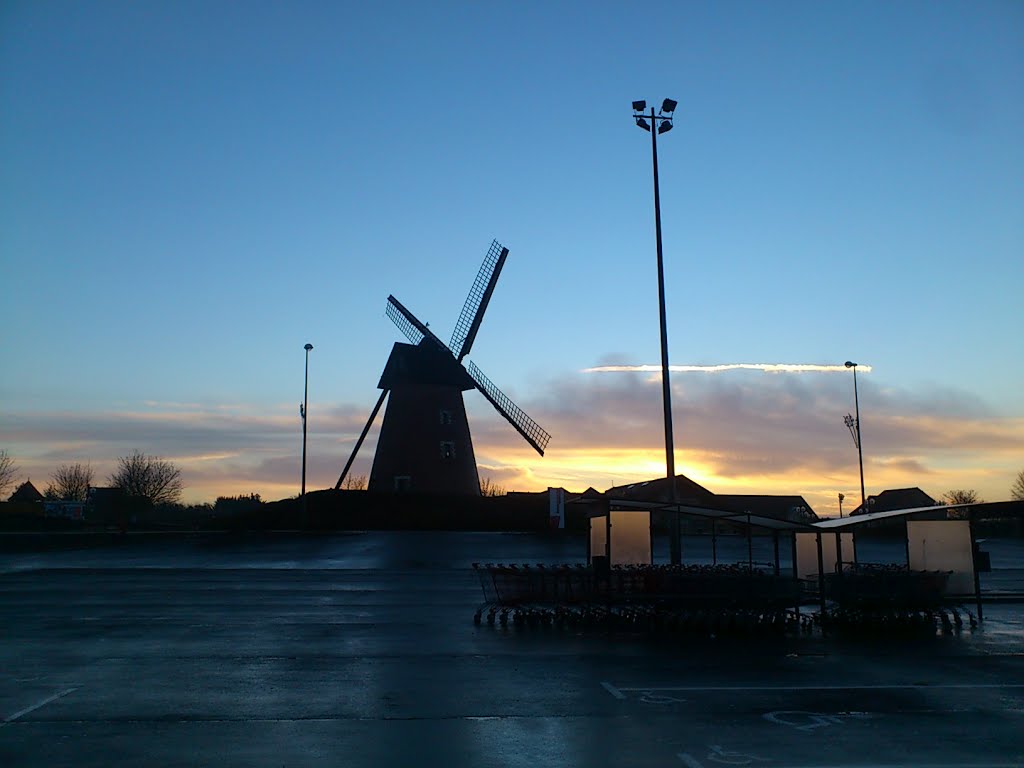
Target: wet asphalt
360 650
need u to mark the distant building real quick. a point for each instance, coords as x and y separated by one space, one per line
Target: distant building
687 491
792 508
26 493
898 498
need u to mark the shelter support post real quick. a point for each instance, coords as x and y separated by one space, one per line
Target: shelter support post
714 542
821 575
750 547
974 565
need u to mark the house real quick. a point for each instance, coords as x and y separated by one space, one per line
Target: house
898 498
792 508
26 493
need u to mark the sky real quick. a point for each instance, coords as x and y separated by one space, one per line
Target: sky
192 191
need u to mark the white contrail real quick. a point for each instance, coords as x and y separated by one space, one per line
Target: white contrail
766 367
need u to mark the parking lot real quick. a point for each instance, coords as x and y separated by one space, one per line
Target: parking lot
360 650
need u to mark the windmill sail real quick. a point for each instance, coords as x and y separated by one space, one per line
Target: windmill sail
407 323
476 303
531 431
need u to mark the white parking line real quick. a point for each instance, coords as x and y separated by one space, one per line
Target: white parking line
916 765
617 691
36 706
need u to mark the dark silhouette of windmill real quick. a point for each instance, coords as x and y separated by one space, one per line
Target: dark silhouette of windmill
424 444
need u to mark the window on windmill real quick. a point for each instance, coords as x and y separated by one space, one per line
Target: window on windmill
446 417
403 483
447 449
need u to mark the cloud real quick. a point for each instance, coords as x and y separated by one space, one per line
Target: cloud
737 432
765 367
742 433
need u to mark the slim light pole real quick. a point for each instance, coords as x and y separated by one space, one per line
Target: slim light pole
303 410
856 424
662 123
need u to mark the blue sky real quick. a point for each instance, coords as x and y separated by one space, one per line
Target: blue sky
189 192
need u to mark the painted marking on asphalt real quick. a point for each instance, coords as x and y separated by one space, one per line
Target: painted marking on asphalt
718 754
912 765
37 705
619 691
808 721
612 690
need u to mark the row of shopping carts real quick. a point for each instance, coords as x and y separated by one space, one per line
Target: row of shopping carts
713 600
709 599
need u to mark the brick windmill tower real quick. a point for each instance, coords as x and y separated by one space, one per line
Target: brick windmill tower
425 444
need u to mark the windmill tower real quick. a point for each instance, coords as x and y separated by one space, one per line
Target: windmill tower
425 445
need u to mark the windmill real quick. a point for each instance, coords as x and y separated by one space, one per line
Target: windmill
425 443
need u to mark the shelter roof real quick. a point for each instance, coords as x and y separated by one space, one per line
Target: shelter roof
852 522
707 513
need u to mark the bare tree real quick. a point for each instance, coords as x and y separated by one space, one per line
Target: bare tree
149 477
1017 489
961 496
8 471
71 482
489 488
354 483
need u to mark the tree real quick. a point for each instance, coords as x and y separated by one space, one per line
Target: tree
961 496
71 482
354 483
489 488
1017 489
8 471
148 477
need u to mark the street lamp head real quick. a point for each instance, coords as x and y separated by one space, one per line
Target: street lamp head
848 364
668 106
643 124
639 106
664 127
308 347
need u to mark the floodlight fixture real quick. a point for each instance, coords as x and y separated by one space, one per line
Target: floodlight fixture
639 106
668 106
643 124
848 364
664 127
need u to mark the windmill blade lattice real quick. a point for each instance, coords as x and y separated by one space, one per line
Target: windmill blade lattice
533 433
476 303
408 324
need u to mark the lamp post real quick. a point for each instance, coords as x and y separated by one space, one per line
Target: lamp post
662 123
303 410
854 425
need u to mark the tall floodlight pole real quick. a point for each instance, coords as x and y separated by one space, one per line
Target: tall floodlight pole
856 425
662 123
303 410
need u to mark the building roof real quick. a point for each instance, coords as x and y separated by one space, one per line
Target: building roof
687 491
897 498
26 492
793 508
